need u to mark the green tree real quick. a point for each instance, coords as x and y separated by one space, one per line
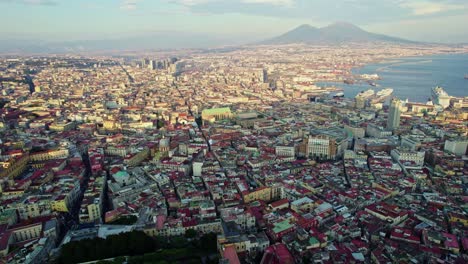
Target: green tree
160 124
126 220
425 112
104 262
208 242
141 248
190 233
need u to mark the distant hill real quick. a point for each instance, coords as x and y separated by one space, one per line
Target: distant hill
333 34
150 41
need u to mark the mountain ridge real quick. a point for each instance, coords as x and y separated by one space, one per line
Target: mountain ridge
336 33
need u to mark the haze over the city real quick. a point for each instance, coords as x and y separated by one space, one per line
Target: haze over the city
209 23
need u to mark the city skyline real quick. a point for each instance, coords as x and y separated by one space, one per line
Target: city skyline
229 22
287 151
233 131
233 156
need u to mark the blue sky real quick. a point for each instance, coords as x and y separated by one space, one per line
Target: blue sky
426 20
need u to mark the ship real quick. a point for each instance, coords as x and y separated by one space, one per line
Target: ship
382 95
340 94
348 81
371 83
440 97
466 76
366 94
370 76
385 92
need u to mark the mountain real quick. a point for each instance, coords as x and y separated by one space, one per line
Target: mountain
145 42
333 34
336 33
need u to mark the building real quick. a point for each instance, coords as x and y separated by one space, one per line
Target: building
285 151
375 144
440 97
262 193
277 253
456 146
411 142
178 228
152 65
229 255
14 166
356 131
408 158
216 113
242 217
245 243
326 146
34 206
92 204
247 119
49 155
393 120
135 158
386 212
321 147
67 198
62 126
359 102
197 168
304 204
376 131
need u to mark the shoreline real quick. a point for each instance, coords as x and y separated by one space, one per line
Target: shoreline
399 58
351 89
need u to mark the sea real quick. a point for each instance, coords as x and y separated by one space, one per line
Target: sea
413 78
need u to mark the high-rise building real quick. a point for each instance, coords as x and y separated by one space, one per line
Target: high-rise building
144 62
393 120
152 65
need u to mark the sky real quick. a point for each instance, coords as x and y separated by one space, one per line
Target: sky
234 20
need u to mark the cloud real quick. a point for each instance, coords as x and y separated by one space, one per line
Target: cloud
128 5
426 28
40 2
88 5
286 3
32 2
193 2
422 8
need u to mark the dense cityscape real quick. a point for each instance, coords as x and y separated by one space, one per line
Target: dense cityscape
236 154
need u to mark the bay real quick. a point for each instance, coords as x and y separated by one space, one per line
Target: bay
413 78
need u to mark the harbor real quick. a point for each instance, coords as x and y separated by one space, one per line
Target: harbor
443 70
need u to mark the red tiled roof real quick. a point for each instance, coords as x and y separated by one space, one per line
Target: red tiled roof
279 203
277 254
231 254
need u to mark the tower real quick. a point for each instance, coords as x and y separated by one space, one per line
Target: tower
152 65
164 146
393 120
265 76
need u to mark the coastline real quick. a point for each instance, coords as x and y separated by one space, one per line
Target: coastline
400 58
411 79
